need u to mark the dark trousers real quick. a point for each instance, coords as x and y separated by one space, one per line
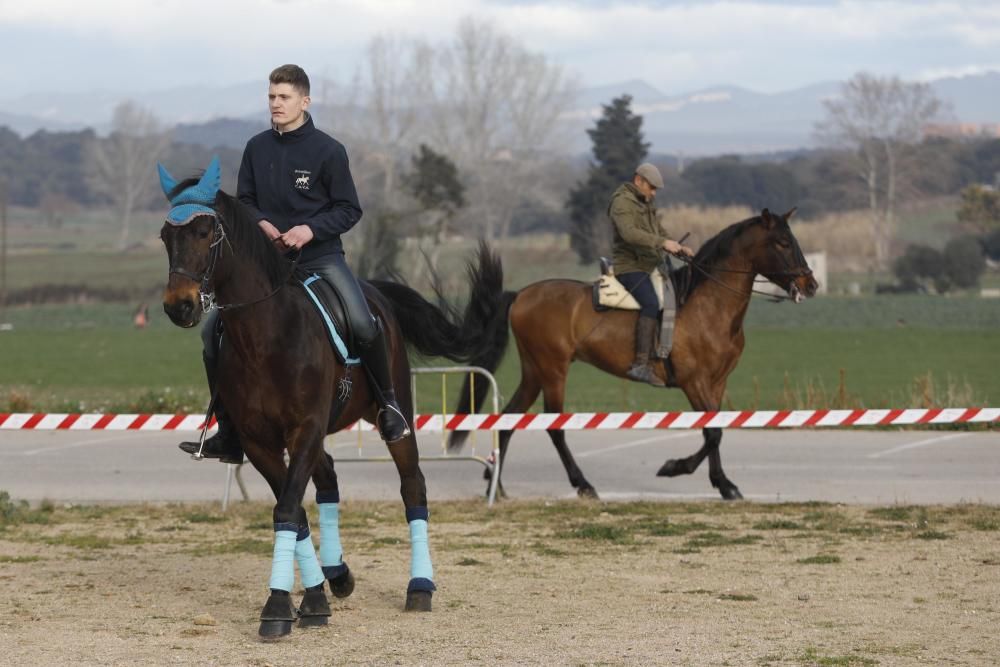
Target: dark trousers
640 286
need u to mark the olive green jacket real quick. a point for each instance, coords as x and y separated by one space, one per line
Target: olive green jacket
637 234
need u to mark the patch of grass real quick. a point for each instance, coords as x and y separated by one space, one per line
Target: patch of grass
667 529
985 524
245 546
599 533
737 597
932 535
811 656
80 541
20 559
896 513
204 517
469 561
821 559
699 591
714 539
386 541
778 524
545 550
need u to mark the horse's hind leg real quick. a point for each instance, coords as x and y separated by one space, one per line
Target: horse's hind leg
555 391
414 492
524 396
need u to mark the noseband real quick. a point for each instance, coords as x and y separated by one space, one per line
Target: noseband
206 296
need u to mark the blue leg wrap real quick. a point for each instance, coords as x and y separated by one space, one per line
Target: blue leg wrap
421 571
331 553
305 556
283 565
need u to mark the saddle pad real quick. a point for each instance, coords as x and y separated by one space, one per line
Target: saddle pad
328 304
612 294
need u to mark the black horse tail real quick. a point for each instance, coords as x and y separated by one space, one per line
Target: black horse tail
438 330
472 396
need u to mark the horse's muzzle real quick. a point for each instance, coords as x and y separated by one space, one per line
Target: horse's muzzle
184 312
803 287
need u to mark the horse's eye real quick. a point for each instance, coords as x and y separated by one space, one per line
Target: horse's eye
783 243
203 234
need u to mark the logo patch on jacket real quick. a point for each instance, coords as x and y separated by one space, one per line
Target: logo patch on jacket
302 179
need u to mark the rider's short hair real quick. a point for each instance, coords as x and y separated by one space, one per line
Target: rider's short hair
292 74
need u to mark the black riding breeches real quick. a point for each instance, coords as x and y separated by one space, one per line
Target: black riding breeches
640 285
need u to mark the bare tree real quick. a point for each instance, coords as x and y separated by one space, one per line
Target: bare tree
880 118
497 113
124 162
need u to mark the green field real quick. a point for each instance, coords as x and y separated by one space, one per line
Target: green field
890 352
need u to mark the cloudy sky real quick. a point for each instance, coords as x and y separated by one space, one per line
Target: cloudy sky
764 45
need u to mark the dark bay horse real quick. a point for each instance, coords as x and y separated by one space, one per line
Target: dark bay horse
555 324
285 388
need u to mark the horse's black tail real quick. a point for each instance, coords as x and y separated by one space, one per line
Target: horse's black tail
438 330
473 395
477 337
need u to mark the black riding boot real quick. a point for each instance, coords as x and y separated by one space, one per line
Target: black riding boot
225 444
641 371
391 423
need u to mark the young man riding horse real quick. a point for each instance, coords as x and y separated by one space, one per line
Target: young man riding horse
638 240
297 180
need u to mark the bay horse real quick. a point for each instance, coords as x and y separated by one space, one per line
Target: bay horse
554 324
286 388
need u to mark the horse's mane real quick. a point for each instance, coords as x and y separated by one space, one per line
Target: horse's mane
244 236
712 251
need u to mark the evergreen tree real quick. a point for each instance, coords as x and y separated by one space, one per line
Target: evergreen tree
618 149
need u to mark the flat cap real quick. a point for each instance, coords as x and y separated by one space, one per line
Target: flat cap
651 174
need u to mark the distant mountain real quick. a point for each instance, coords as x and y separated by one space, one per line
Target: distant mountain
717 120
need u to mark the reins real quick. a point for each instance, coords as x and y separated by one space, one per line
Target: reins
206 296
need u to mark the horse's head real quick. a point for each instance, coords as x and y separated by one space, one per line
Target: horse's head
192 235
780 258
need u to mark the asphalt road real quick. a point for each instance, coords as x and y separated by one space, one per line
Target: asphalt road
869 467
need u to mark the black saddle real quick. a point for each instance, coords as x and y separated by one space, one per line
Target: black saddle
332 311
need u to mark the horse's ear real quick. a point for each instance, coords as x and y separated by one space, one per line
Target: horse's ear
768 219
788 216
167 182
211 180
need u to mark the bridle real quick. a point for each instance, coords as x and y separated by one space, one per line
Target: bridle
796 272
206 296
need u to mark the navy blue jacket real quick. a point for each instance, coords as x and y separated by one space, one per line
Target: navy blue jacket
301 177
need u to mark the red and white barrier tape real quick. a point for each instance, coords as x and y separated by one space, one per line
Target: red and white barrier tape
547 421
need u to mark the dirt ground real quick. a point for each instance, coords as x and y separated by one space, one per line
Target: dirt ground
528 583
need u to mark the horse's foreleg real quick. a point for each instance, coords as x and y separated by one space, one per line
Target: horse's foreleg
716 475
292 542
331 552
705 400
421 588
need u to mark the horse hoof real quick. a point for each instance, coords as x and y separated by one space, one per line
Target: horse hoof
314 609
342 585
588 493
273 630
731 493
671 468
418 601
313 621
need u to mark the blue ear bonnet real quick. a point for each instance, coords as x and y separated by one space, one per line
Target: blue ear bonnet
195 200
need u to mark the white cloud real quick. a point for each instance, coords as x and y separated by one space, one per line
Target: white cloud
676 45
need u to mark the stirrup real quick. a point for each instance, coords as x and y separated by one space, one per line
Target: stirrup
644 373
392 409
